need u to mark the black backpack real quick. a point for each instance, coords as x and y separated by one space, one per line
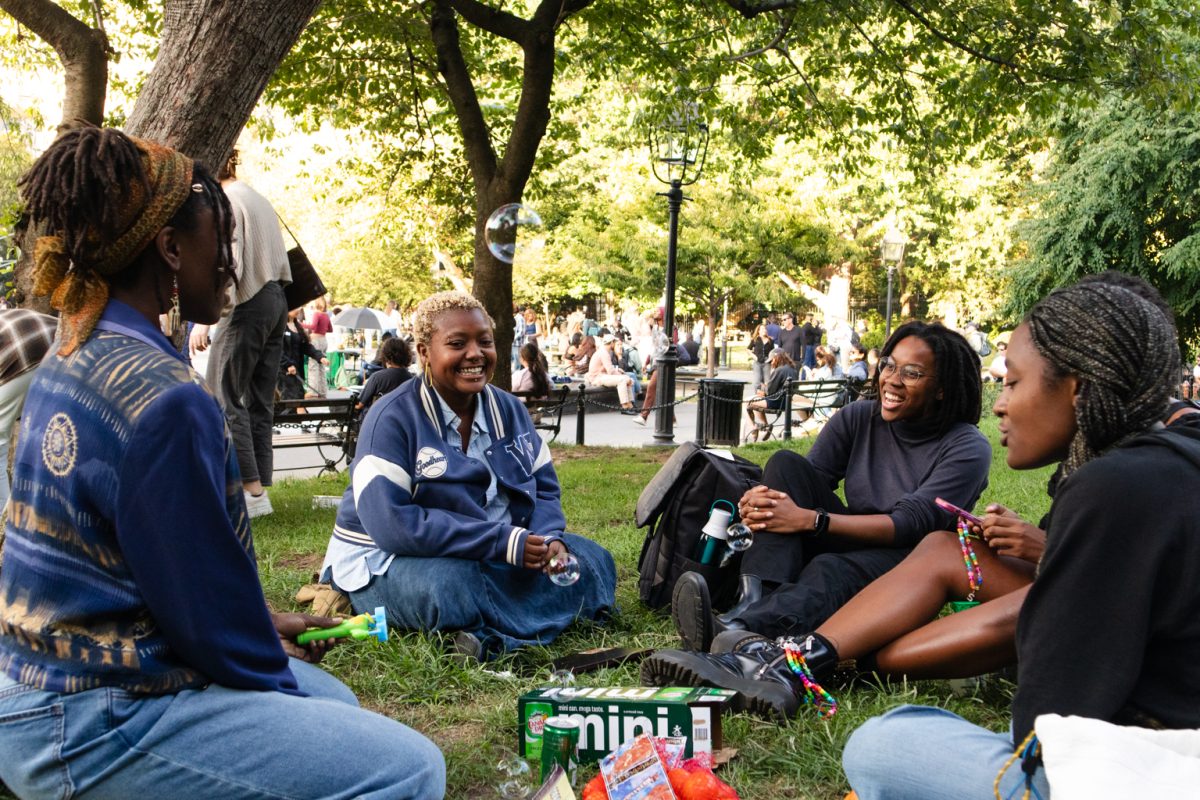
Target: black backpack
676 504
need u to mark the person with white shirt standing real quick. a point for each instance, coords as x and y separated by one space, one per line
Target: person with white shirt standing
244 364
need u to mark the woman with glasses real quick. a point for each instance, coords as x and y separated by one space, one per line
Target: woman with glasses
918 440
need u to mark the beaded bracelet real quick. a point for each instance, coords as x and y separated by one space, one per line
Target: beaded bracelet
974 573
814 693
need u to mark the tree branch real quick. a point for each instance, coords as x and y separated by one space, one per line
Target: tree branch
947 39
83 52
752 8
481 158
494 21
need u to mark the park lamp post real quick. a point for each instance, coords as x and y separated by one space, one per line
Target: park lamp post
891 252
678 146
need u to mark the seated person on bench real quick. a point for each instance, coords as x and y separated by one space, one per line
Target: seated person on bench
772 398
396 356
453 508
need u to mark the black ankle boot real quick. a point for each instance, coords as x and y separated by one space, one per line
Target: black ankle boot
819 654
760 675
749 593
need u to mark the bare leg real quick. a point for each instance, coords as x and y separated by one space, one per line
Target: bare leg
911 594
972 642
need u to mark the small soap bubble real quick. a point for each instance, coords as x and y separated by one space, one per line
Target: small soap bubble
740 537
563 678
514 777
510 228
564 569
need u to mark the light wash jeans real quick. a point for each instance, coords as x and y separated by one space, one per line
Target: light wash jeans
215 743
925 753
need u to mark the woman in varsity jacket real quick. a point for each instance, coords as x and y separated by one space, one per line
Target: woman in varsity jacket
453 513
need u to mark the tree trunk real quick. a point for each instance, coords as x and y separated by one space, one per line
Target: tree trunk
710 342
214 61
83 52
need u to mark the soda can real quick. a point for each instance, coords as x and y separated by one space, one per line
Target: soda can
535 724
560 745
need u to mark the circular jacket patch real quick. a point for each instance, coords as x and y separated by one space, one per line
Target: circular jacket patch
59 445
431 463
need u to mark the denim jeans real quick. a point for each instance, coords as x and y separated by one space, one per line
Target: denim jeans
506 607
215 742
242 371
924 753
761 373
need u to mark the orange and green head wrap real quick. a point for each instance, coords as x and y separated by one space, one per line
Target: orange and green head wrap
96 198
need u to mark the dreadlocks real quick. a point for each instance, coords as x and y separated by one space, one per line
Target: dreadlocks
95 200
1123 350
958 374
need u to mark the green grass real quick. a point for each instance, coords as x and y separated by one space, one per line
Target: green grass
471 712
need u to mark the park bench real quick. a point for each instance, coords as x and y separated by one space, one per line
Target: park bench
820 398
547 412
328 423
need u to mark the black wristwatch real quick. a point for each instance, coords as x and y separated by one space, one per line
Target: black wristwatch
822 523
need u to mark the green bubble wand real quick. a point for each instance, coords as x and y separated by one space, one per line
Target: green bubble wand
360 627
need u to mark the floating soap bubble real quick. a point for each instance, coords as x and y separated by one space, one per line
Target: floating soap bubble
511 227
514 777
563 678
564 569
739 537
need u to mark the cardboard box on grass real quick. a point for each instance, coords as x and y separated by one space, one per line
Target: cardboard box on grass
608 716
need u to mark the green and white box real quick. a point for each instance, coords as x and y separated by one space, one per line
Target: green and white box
609 716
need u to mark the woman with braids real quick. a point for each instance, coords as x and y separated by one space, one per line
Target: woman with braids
137 653
812 552
453 513
1108 628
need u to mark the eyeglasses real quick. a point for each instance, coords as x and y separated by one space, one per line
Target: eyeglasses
909 374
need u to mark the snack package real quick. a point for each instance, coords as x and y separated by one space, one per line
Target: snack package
648 768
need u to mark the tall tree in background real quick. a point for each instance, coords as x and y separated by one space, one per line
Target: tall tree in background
1122 192
214 59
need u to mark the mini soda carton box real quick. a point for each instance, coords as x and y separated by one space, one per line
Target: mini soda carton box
608 716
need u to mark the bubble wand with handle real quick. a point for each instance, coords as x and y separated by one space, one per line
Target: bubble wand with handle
360 627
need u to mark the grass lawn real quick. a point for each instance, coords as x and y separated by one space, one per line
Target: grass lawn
471 712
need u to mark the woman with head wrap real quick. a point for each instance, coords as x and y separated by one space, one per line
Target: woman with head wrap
1108 628
137 653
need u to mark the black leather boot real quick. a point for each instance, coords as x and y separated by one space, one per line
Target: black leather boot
760 675
691 609
749 593
818 653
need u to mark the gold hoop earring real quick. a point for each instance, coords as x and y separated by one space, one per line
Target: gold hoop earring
428 377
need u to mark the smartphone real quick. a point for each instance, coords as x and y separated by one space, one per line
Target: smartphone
945 505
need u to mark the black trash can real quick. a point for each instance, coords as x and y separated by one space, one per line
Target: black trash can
719 417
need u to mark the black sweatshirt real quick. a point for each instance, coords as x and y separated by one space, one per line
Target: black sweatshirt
1111 626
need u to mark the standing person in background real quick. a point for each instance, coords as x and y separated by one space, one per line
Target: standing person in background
244 364
773 328
25 337
531 330
395 318
760 347
318 326
791 338
810 337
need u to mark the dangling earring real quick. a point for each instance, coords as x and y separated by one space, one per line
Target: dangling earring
176 329
428 377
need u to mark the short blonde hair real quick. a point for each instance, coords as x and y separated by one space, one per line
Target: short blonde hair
432 307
